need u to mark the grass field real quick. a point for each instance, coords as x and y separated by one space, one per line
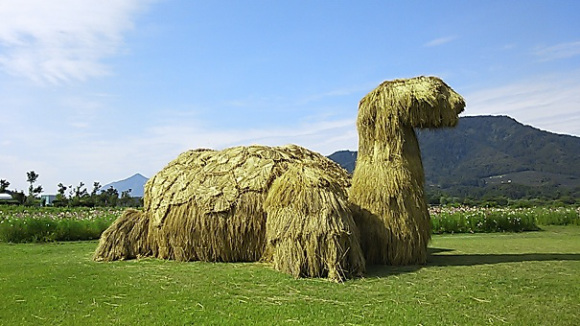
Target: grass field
530 278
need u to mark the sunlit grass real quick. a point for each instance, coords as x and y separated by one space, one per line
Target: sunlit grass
525 278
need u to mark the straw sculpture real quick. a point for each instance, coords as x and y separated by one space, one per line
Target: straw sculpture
309 209
284 205
387 185
293 207
126 238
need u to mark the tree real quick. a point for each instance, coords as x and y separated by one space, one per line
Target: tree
32 177
109 197
79 196
80 191
32 190
61 189
126 199
96 188
4 185
19 197
61 199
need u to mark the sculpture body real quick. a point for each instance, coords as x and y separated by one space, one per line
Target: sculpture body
285 205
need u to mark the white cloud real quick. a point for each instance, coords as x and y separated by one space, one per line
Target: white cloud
71 155
549 102
320 135
440 41
62 40
509 46
559 51
359 89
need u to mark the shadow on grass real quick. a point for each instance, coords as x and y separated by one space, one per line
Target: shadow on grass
436 259
485 259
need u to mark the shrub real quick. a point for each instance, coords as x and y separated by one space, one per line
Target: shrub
557 216
19 224
471 220
478 219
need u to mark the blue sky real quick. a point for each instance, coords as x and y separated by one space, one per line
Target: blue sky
100 90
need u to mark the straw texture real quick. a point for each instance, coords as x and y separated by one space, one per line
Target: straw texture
293 207
310 226
387 186
126 238
240 204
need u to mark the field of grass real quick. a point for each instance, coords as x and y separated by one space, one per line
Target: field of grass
529 278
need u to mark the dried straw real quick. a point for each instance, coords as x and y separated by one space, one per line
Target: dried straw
126 238
310 225
387 186
288 205
210 205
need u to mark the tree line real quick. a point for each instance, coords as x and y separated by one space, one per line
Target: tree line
504 195
72 196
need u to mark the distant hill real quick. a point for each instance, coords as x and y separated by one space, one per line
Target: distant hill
486 151
346 159
483 149
136 183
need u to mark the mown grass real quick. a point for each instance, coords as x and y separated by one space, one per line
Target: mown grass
526 278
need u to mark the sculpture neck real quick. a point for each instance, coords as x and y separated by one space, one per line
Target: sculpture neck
387 143
399 147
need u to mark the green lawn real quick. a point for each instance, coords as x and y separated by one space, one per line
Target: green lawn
521 279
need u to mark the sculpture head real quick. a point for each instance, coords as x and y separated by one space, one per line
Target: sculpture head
422 102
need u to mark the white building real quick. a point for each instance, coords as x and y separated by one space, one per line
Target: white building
5 196
47 200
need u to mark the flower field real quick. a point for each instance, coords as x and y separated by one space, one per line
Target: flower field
46 224
482 219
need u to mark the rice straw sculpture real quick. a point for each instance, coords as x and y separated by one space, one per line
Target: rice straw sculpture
387 185
293 207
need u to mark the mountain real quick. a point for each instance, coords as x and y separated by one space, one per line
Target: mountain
136 183
346 159
486 148
491 151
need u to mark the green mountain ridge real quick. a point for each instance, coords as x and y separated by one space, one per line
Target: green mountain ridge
491 152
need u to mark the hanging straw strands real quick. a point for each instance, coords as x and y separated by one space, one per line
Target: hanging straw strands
285 205
293 207
310 209
387 185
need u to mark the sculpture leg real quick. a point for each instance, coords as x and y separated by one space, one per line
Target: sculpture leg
309 228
